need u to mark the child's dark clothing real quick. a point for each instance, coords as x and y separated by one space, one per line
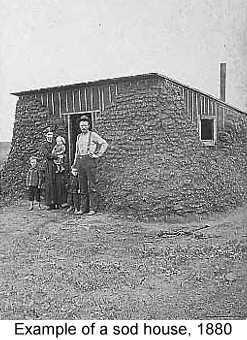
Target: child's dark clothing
59 151
72 189
33 183
33 194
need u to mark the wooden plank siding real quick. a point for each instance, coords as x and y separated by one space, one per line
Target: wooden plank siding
70 107
56 104
105 90
198 105
76 100
96 96
194 109
83 100
87 98
79 99
113 92
63 101
49 102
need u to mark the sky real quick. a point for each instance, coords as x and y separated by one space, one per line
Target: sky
54 42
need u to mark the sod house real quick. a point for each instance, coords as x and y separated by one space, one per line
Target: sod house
173 149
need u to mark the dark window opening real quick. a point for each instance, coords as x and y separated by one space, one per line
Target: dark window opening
207 129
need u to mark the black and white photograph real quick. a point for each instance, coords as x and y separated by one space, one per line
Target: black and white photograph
123 160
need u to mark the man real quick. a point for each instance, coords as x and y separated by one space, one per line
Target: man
89 147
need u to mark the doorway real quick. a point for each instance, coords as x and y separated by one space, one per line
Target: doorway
74 129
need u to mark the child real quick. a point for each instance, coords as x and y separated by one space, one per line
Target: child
73 190
59 151
33 183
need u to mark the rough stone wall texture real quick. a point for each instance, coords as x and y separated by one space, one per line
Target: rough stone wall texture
31 119
156 165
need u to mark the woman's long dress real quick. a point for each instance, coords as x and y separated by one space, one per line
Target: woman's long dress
49 172
60 188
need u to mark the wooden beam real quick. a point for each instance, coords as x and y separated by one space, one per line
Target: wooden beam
52 103
201 104
212 108
99 98
66 101
85 93
103 100
91 98
188 101
80 99
80 112
73 100
110 98
196 104
208 105
192 106
215 109
59 105
224 112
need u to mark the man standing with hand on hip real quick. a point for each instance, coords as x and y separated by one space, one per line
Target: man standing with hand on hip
89 147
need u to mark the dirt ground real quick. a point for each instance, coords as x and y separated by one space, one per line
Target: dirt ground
54 265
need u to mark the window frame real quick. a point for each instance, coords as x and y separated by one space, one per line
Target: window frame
208 142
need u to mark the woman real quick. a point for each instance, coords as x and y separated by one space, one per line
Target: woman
60 194
49 169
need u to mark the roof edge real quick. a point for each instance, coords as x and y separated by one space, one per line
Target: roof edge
87 83
143 76
202 92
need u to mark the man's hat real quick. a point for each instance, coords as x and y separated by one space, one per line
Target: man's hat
84 119
48 130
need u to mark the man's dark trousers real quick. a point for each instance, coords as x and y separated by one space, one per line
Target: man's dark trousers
87 176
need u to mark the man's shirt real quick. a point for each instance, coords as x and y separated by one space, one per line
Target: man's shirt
87 143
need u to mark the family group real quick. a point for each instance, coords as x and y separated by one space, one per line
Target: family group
75 189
